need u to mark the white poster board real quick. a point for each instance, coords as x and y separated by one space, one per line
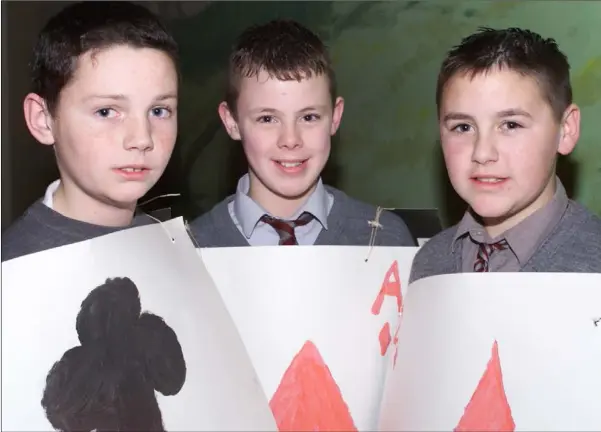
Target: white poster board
42 295
498 352
317 340
319 324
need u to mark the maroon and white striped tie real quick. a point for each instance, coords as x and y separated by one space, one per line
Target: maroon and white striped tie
285 229
485 250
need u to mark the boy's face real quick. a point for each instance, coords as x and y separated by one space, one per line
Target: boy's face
115 124
500 140
285 128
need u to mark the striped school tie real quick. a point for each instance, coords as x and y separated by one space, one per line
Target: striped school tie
285 229
485 250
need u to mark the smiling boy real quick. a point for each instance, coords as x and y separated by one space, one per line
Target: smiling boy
282 105
505 113
105 97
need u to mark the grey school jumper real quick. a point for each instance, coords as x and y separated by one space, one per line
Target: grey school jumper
348 225
574 245
41 228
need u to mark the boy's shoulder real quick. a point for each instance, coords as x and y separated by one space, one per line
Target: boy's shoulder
40 228
355 219
574 245
215 228
587 224
24 235
214 217
435 257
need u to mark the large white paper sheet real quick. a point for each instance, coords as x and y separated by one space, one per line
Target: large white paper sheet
498 352
41 298
319 324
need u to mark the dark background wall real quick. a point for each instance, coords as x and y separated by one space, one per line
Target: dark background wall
386 55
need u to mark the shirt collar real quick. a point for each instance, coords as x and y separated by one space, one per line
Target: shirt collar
529 228
49 195
467 225
525 238
248 212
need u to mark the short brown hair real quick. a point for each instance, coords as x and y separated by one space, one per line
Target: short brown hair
88 26
285 49
516 49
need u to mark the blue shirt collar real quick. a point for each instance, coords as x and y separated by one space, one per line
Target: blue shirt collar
248 212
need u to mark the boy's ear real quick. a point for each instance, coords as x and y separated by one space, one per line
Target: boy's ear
337 115
229 121
38 118
570 130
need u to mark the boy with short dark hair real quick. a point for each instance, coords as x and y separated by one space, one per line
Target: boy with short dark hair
505 112
281 104
105 80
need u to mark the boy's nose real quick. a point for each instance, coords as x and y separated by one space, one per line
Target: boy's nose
289 138
485 151
139 136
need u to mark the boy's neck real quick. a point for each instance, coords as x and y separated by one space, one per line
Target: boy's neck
278 206
74 204
498 226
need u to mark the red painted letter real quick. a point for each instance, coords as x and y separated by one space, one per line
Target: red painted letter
391 286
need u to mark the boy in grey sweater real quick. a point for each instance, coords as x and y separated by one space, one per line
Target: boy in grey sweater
105 95
505 113
282 105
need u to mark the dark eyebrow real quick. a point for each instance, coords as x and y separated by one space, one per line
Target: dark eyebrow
123 97
166 97
314 108
513 112
106 96
457 116
262 110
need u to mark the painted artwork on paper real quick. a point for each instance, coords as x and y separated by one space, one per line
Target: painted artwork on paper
109 381
488 409
322 345
391 286
496 365
308 398
138 340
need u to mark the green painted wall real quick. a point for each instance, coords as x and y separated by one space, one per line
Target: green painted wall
386 55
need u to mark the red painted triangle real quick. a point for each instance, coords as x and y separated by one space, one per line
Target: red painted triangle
488 409
308 398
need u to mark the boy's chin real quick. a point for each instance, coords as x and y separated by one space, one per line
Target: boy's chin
491 209
293 194
294 191
127 199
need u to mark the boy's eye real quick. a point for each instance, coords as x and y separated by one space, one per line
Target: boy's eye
512 125
265 119
461 128
311 117
161 112
106 112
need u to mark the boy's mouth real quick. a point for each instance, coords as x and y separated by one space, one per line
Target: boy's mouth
132 172
286 164
489 180
291 166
